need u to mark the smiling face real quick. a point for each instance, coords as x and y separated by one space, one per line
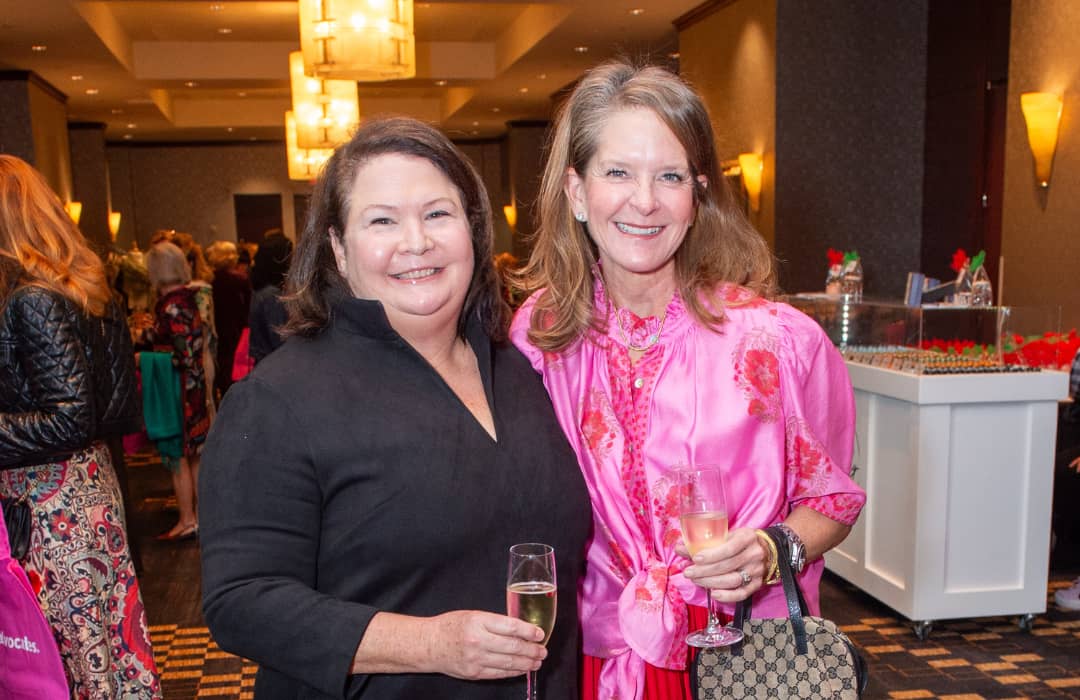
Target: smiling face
407 242
637 196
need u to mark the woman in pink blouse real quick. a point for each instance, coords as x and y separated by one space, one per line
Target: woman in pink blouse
654 331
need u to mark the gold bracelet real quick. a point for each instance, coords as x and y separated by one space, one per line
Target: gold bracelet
772 573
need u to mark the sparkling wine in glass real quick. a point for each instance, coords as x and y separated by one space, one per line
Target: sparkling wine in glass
531 592
703 513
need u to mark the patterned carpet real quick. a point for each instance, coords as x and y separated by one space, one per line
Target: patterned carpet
973 659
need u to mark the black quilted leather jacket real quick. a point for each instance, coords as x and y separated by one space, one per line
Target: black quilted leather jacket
66 379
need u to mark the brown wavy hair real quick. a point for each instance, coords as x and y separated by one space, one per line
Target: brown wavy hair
721 246
40 242
314 280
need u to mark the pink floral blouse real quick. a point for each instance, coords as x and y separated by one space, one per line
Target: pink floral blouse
767 397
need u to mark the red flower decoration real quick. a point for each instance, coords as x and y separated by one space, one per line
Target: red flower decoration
959 260
836 257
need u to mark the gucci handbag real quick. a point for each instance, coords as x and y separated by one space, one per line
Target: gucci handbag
799 656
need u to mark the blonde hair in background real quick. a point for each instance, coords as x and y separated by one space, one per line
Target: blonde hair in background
38 235
721 246
222 255
194 254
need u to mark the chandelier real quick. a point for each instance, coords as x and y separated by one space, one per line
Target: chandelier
304 163
367 40
326 110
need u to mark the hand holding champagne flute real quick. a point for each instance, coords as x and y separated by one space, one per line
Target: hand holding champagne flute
531 592
703 514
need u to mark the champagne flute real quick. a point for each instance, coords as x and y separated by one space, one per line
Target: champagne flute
703 514
531 593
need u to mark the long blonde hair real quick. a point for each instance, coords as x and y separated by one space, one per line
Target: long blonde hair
38 236
721 246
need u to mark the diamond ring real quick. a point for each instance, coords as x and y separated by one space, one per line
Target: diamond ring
746 579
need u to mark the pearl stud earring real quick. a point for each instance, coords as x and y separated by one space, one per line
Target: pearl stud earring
580 216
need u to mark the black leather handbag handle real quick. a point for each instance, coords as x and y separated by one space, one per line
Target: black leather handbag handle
796 604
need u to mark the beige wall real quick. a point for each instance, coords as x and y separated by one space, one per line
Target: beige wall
1041 229
52 152
730 56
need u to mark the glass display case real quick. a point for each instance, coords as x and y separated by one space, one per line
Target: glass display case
927 339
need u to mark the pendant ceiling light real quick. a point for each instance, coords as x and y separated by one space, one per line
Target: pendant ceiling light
367 40
326 110
304 163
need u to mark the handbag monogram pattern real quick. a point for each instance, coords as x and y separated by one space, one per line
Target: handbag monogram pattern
796 657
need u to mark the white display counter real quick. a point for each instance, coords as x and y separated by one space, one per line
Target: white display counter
958 472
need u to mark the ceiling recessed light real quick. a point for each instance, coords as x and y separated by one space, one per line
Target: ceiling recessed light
581 49
217 7
440 83
495 109
39 48
224 30
132 125
476 123
190 83
92 91
542 76
229 129
116 110
474 132
241 94
128 137
637 11
76 77
523 90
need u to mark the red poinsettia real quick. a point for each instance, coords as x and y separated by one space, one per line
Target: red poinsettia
959 260
836 257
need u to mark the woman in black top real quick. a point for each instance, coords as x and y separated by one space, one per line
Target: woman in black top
363 485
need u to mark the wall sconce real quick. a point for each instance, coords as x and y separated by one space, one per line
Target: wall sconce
114 224
367 40
74 210
510 212
1042 112
752 165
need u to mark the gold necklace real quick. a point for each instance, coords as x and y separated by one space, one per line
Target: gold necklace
652 340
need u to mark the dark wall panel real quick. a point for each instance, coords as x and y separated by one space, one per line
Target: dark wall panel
850 102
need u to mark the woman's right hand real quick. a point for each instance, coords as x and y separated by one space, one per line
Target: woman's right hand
466 644
476 645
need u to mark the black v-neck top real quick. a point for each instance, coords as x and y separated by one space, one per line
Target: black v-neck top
343 477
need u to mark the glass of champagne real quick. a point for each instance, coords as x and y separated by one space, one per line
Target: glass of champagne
531 592
703 513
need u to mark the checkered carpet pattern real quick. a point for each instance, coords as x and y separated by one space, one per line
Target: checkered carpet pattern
960 660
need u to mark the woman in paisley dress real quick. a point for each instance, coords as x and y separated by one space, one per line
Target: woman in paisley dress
67 381
652 324
178 329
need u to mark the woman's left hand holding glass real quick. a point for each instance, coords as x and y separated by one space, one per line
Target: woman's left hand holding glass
733 570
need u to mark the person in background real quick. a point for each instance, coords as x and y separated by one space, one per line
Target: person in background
178 330
652 325
201 278
67 383
1065 519
267 310
232 303
364 483
507 264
